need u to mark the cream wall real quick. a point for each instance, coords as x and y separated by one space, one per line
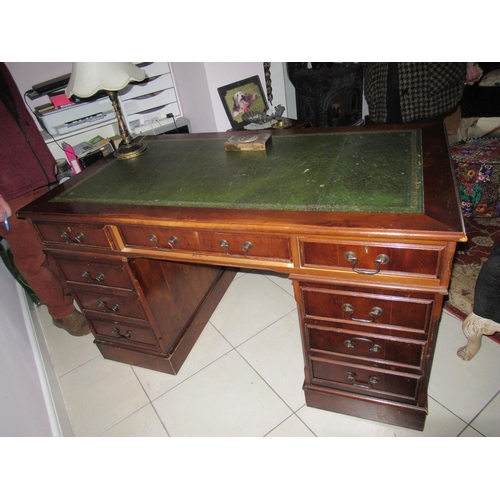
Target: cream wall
24 410
197 84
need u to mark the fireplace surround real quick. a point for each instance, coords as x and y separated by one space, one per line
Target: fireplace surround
328 94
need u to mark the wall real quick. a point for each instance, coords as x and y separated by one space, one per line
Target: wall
27 74
194 96
24 411
197 84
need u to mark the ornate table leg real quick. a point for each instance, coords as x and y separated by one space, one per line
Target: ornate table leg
474 327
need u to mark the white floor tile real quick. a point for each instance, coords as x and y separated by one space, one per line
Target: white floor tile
440 422
142 423
251 303
488 421
68 352
210 346
281 280
470 432
43 316
227 398
99 394
464 387
276 354
291 427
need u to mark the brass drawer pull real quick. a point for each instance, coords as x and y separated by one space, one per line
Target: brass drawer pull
376 311
381 259
88 278
79 237
351 345
371 381
247 246
116 332
173 240
115 308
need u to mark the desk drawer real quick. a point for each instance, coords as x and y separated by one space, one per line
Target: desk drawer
250 246
365 380
124 304
364 345
125 335
367 311
73 234
95 271
373 258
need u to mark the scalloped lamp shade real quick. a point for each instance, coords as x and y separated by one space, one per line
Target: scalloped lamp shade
88 78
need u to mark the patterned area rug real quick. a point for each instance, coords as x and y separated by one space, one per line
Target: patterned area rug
476 163
483 235
477 168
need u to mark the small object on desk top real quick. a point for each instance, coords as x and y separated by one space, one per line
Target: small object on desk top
250 142
281 124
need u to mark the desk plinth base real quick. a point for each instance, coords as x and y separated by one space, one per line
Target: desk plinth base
410 417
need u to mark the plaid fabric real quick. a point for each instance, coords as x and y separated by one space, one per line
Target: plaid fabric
425 89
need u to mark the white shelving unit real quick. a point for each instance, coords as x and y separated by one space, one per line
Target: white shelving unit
145 105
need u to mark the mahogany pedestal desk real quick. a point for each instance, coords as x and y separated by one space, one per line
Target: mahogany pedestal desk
365 222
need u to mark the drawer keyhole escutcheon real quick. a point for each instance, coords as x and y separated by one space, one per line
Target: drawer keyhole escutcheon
351 377
351 345
246 247
376 311
88 278
173 240
380 260
116 332
79 237
115 308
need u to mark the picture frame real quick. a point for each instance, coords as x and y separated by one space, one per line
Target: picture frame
240 97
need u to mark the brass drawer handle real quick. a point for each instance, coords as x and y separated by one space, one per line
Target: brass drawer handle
88 278
116 332
376 311
380 260
173 240
351 377
247 246
79 237
115 308
351 345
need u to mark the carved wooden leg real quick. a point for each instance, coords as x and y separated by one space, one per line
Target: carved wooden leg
474 327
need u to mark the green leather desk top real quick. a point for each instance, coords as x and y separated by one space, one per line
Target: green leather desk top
359 171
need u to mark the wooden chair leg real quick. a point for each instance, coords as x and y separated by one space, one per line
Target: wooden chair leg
474 327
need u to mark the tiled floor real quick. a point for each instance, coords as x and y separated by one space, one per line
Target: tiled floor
244 378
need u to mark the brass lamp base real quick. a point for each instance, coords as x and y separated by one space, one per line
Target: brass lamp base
127 151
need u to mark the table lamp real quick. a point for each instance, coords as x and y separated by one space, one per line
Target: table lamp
88 78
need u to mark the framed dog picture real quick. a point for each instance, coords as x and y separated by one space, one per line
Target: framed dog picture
241 97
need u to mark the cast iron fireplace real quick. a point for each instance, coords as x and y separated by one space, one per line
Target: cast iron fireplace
328 94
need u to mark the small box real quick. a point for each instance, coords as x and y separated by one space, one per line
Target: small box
72 158
60 100
250 142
